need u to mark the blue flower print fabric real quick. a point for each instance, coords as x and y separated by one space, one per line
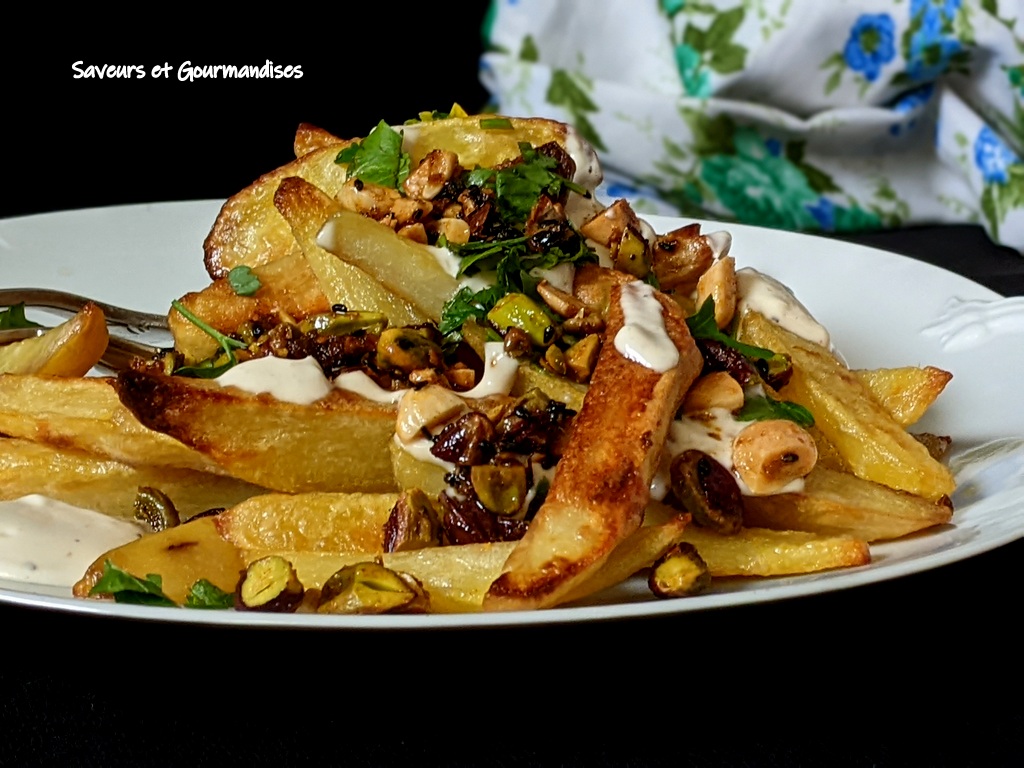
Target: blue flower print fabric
810 115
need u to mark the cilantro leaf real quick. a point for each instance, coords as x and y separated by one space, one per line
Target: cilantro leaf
760 408
243 280
207 595
377 159
129 589
14 317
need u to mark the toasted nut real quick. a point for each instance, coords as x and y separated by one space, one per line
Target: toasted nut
153 507
412 524
564 304
581 357
708 491
680 572
715 390
425 408
719 283
501 489
680 258
405 349
269 584
769 455
370 588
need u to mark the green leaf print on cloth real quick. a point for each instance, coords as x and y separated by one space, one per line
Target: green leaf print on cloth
804 114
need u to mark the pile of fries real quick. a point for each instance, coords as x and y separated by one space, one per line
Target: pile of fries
306 496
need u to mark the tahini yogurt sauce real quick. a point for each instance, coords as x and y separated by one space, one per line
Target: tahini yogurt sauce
44 541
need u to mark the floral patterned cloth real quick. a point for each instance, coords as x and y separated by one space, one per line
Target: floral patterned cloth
814 115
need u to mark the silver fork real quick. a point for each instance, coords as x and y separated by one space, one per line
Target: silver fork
120 350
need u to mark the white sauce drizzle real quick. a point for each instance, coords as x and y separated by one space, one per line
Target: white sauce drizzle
643 338
767 296
44 541
965 324
293 381
451 263
358 383
720 242
499 373
561 276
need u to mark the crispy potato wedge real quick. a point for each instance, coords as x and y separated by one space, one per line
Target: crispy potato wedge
287 286
762 552
108 486
306 209
70 349
602 482
85 414
839 503
250 231
484 140
181 556
871 442
406 268
309 138
339 443
313 522
906 392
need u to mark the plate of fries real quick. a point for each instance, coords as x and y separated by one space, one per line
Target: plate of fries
917 455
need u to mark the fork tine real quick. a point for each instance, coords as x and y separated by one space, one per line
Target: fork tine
70 302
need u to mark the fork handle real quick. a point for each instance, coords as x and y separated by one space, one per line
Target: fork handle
71 302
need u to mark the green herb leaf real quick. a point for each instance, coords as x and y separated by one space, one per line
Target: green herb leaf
495 123
129 589
207 595
243 280
702 326
762 408
14 317
377 159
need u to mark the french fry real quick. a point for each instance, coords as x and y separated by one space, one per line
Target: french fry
181 556
906 392
602 482
306 208
85 414
108 486
867 437
249 230
406 268
839 503
70 349
762 552
287 286
313 522
309 138
339 443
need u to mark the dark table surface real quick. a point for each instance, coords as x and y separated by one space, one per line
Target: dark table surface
921 670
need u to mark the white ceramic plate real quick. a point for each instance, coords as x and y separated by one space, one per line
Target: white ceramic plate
878 306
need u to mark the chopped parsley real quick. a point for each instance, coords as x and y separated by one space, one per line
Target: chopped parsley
206 594
377 159
14 317
243 281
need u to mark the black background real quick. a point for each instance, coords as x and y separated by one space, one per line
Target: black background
923 670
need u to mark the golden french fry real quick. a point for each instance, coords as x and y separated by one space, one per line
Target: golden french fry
603 478
309 138
85 414
306 208
406 268
314 522
70 349
868 438
108 486
905 392
180 556
339 443
761 552
287 286
839 503
249 230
